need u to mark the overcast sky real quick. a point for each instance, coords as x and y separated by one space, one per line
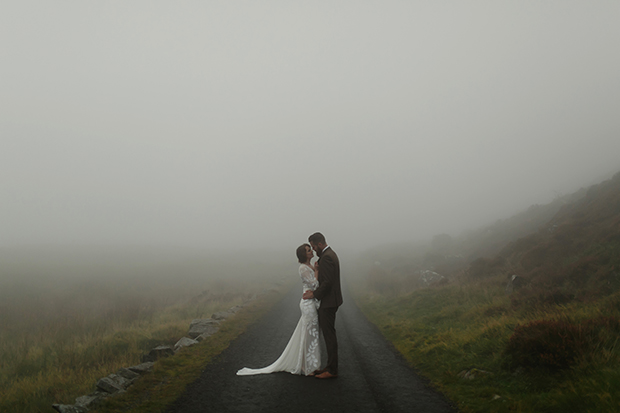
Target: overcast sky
234 124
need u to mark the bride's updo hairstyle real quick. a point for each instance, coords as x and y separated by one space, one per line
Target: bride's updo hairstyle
301 253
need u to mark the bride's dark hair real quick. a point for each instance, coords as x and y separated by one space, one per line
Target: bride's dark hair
301 253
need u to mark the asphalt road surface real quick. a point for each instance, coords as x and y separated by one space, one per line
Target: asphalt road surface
373 377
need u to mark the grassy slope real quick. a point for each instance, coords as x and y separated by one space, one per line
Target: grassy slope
170 376
67 320
570 266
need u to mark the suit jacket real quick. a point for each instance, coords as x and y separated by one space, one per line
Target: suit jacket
329 280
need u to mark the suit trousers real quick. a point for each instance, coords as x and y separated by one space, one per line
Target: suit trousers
327 323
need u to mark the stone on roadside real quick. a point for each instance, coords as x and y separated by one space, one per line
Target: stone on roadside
201 326
142 368
90 400
184 342
158 353
69 408
108 385
113 383
250 298
205 335
122 381
235 309
222 315
128 374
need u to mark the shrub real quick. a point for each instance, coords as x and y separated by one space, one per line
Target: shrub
541 295
581 269
556 345
549 344
602 331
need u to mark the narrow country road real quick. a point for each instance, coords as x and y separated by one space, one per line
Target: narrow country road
373 377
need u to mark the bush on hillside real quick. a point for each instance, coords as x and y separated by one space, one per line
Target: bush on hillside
559 344
548 344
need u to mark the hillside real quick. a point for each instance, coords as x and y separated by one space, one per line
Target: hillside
575 255
528 244
523 315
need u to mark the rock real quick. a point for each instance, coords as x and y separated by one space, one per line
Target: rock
235 309
222 315
429 277
473 373
201 326
184 342
91 400
157 353
250 298
128 374
497 397
66 408
207 334
113 383
142 368
514 284
122 381
108 385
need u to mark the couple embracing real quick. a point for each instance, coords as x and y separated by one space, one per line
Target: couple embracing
320 301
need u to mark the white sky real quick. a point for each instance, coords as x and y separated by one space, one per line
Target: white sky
233 124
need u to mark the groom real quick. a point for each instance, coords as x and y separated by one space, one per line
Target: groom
331 298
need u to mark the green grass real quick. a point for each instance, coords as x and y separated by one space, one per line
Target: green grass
445 330
66 321
565 353
170 376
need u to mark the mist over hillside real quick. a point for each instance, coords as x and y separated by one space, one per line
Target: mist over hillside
536 244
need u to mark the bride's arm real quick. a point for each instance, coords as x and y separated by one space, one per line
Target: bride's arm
306 273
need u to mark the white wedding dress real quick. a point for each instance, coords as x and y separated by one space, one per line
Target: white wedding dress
302 354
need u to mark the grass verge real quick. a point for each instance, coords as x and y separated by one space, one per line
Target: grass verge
170 376
69 318
446 330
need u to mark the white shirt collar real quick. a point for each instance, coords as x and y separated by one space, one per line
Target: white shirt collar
324 249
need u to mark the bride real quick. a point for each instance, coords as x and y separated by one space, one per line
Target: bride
302 354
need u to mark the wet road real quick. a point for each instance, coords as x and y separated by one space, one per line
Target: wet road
373 377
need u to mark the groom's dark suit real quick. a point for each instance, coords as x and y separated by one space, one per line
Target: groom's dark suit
331 298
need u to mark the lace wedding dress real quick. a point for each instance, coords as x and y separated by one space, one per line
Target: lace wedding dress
302 354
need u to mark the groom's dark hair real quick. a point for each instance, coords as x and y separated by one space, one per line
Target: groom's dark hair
316 238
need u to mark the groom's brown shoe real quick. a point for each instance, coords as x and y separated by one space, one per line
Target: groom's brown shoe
326 375
317 372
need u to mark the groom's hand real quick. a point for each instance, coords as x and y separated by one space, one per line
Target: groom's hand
308 295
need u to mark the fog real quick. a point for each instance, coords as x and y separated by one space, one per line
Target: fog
235 125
